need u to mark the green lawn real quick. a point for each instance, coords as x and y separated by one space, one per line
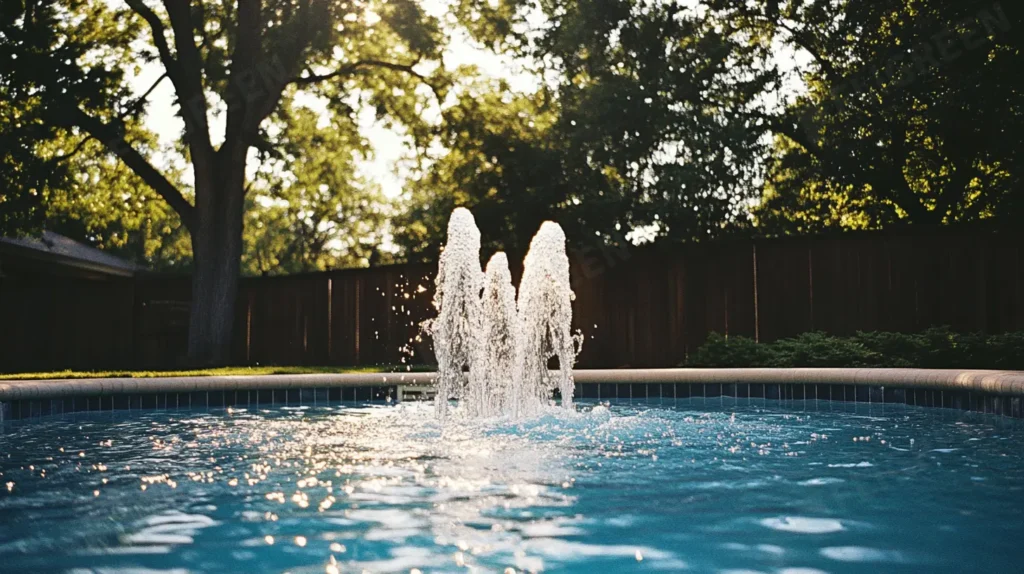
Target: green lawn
218 372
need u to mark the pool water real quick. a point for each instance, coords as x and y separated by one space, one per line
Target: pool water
622 489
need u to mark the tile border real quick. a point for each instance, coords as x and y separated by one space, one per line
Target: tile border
994 392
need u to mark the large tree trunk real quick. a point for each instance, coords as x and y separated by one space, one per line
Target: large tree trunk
216 251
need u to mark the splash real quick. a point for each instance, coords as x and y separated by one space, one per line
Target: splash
504 342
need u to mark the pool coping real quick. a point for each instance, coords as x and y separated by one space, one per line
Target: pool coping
1004 383
986 391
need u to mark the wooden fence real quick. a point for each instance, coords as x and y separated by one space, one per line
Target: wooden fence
640 307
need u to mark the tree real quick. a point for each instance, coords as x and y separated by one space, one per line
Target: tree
229 64
314 212
644 125
912 112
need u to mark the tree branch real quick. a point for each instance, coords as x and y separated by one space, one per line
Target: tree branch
243 72
187 81
115 142
349 69
159 38
137 104
190 92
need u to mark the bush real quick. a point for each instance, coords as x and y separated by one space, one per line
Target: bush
817 349
935 348
720 351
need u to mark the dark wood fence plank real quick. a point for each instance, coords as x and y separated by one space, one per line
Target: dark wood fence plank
643 307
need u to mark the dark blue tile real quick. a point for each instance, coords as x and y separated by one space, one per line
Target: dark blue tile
148 401
862 394
362 394
712 390
959 400
198 400
334 394
899 396
823 392
306 396
772 392
697 390
876 395
849 393
811 392
215 399
798 393
742 390
607 391
1016 408
889 395
757 390
121 402
321 396
623 391
280 397
638 391
292 396
588 390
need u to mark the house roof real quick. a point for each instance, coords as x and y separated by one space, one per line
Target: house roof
55 248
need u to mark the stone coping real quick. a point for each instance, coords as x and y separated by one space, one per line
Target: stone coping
1004 383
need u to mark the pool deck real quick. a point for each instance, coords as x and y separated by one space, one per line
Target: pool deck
1000 383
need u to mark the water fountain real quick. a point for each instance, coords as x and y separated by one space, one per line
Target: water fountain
457 298
504 342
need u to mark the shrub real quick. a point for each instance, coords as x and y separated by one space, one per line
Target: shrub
816 349
935 348
722 351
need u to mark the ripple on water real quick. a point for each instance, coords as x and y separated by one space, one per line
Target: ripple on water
620 488
863 554
803 525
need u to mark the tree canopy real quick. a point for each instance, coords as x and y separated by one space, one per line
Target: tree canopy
673 121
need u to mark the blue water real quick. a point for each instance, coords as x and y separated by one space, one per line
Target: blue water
625 489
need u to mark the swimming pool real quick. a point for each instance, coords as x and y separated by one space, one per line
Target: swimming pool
630 487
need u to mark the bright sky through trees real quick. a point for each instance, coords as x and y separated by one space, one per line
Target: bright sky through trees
389 145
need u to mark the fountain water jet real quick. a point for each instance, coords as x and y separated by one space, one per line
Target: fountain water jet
492 382
544 313
457 299
504 341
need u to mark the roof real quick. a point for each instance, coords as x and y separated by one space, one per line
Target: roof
55 248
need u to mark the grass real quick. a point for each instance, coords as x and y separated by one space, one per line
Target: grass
217 372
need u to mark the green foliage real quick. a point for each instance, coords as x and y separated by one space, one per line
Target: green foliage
817 349
641 127
912 112
310 210
723 351
935 348
75 158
